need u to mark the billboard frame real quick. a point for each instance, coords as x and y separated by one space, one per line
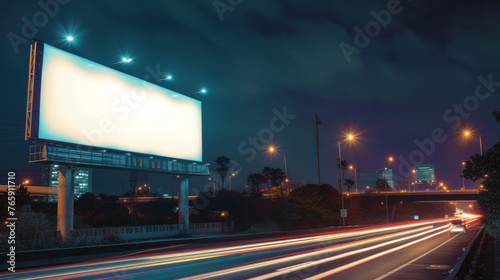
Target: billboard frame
33 107
34 84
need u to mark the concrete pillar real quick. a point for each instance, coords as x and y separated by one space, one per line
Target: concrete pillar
183 204
65 202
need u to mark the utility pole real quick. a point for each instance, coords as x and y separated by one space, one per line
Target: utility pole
317 148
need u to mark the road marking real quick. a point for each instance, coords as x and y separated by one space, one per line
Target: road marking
294 266
414 260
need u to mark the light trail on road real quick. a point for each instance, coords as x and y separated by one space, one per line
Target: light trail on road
260 259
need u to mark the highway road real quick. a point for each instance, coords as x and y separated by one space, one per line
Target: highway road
414 250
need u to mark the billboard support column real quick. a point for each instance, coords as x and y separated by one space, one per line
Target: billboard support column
183 204
65 202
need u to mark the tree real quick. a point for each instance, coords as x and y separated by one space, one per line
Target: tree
223 164
107 199
349 183
477 168
277 176
381 185
343 166
324 199
266 171
255 180
22 196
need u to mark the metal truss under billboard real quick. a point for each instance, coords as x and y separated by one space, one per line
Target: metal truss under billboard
46 152
80 103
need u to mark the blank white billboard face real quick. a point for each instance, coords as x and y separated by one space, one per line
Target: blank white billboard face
83 102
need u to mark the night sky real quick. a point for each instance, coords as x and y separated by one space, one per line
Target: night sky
426 69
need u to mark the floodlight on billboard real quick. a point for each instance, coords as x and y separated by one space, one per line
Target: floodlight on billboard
82 102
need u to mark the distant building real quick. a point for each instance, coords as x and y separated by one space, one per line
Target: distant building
387 174
82 179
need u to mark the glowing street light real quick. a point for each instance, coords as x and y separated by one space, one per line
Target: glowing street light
353 167
126 59
389 159
232 175
468 133
343 212
463 178
272 151
70 38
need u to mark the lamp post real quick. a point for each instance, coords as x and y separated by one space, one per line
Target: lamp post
272 151
467 133
390 159
343 212
412 180
317 148
355 175
232 175
440 185
213 181
463 178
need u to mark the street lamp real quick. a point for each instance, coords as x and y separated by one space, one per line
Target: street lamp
213 181
389 159
232 175
467 133
463 178
343 212
413 180
355 175
272 151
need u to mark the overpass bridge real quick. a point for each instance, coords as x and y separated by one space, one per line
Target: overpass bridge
422 196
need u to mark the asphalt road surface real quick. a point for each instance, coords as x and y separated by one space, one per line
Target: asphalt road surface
416 250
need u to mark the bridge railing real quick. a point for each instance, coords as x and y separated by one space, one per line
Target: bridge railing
464 264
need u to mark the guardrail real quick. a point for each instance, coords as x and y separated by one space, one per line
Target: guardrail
464 264
150 232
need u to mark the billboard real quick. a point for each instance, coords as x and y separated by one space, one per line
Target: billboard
81 102
424 172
